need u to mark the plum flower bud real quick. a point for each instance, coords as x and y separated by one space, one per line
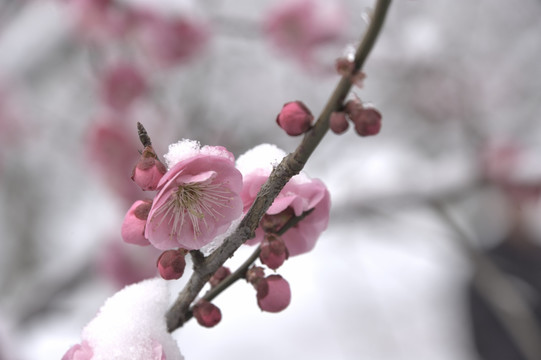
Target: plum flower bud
278 295
121 85
219 275
273 251
149 170
295 118
273 223
133 226
255 274
367 122
198 198
171 264
206 313
338 122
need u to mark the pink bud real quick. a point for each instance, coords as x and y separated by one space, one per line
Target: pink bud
149 170
133 226
207 314
278 295
219 275
273 251
367 122
121 85
171 264
338 122
273 223
353 107
295 118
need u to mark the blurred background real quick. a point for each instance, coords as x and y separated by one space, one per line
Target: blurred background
451 182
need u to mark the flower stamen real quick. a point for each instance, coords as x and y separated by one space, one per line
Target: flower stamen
194 201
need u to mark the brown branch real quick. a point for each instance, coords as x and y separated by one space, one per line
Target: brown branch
291 165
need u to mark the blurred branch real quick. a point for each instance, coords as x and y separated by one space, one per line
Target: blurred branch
291 165
498 291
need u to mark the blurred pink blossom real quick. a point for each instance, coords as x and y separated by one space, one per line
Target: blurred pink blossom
172 40
101 19
121 84
297 28
198 199
125 265
110 147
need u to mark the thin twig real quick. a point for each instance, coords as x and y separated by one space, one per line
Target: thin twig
291 165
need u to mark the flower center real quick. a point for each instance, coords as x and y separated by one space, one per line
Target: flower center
195 202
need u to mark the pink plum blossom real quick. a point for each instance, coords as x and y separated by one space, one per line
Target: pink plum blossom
299 27
133 226
198 198
276 296
130 325
299 195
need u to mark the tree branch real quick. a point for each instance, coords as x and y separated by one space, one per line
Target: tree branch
291 165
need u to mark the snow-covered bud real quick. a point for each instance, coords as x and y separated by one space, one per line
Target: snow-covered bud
278 294
219 275
338 122
273 251
367 122
273 223
149 170
171 264
295 118
133 226
206 313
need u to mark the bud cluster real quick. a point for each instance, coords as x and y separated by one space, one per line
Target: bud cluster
366 119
